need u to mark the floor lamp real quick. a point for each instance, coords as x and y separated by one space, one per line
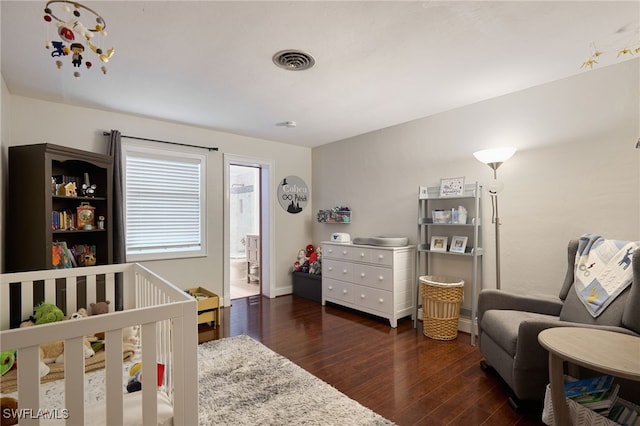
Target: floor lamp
494 159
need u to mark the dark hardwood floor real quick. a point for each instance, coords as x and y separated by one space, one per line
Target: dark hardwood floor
399 373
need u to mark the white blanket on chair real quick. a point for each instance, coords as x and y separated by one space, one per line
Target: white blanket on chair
602 270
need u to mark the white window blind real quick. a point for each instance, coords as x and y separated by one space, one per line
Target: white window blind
164 204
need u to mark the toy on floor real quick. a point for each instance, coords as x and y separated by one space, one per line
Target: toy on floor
135 377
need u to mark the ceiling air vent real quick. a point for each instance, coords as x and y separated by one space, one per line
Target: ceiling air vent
293 60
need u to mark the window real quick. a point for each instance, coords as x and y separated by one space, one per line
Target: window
164 202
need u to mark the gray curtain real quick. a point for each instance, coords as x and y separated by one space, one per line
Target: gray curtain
115 150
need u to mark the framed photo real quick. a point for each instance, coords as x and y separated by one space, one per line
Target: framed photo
458 244
439 243
452 187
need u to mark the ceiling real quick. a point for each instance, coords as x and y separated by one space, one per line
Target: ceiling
378 64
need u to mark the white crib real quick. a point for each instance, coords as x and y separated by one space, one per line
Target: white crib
167 320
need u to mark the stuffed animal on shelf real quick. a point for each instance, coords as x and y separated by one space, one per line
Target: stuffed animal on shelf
45 313
8 411
86 259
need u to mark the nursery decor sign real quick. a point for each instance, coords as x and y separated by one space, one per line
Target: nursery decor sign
451 187
293 194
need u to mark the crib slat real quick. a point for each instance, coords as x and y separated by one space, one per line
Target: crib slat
50 291
91 290
110 288
71 295
29 378
74 379
113 363
26 289
149 373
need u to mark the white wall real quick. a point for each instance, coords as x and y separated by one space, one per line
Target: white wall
576 171
34 121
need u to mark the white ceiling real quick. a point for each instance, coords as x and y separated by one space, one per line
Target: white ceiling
378 63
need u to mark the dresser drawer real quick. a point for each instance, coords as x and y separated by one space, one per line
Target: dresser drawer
373 276
337 270
372 298
336 251
372 255
338 290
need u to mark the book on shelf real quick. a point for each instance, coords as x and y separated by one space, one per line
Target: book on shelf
588 386
61 256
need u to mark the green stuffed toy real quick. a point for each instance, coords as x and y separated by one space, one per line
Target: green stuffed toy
46 312
8 360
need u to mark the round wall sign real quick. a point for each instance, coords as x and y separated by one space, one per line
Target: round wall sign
293 194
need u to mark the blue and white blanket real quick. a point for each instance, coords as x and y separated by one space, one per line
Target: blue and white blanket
602 270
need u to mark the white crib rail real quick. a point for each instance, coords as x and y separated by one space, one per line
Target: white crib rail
168 321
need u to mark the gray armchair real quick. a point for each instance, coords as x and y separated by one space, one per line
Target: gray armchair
509 325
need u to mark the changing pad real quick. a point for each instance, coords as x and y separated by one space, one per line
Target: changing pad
382 241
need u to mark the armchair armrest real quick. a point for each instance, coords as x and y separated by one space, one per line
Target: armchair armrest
497 299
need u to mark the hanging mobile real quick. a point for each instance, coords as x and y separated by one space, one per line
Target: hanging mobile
75 36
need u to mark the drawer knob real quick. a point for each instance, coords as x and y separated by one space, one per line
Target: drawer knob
344 252
344 291
361 254
331 268
381 278
381 256
344 271
362 274
362 296
330 250
381 300
330 287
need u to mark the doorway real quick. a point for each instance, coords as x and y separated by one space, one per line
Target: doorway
266 228
244 231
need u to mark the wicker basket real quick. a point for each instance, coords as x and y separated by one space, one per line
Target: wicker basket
441 299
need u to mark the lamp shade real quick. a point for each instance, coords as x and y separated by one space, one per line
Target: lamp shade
494 155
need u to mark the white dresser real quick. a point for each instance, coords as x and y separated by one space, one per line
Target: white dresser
372 279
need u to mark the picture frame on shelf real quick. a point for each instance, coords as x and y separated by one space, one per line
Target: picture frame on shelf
458 244
438 243
452 187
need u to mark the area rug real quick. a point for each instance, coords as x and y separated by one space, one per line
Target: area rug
242 382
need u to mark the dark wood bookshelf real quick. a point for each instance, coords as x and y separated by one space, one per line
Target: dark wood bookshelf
30 233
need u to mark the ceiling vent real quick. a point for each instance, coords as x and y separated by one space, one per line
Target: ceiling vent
293 60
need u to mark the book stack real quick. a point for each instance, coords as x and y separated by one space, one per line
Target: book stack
63 220
600 394
596 393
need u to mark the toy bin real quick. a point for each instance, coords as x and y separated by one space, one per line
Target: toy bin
441 300
208 305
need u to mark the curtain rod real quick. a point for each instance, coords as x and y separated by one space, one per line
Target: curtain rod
156 140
